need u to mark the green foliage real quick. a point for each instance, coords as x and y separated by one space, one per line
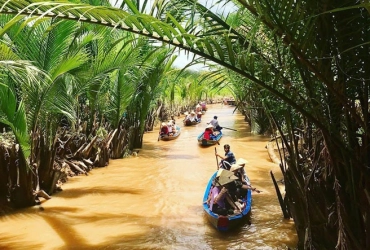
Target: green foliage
311 57
14 115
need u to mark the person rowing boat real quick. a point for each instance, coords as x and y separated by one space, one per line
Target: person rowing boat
214 122
228 159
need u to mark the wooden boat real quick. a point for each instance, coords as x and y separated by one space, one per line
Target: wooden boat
226 223
231 102
190 123
171 137
205 142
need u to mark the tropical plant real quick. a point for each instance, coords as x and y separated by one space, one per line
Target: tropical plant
17 180
312 57
156 61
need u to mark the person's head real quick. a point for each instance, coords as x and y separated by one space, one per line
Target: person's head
226 147
215 117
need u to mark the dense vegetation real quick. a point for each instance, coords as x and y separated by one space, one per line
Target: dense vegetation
73 95
296 67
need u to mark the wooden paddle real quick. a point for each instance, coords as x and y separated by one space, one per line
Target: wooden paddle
216 157
230 129
218 143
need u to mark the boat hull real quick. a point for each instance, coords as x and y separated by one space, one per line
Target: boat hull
171 137
189 123
226 223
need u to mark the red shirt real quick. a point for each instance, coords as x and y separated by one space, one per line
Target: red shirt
207 134
164 130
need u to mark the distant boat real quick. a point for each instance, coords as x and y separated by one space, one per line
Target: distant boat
171 137
205 142
190 123
231 102
229 222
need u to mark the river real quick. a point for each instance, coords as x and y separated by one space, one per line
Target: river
154 200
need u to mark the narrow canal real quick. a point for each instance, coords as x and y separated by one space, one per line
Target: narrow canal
154 200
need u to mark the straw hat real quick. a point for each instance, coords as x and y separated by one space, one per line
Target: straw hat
209 126
200 113
192 112
235 167
224 177
164 124
241 161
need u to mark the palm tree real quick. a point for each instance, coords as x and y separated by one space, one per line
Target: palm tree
49 99
303 50
17 181
156 61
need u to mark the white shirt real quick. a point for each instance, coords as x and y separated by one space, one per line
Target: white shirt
214 123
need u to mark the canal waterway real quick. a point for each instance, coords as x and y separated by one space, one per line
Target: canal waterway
154 200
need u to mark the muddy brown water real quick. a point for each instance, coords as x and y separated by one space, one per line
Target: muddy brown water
154 200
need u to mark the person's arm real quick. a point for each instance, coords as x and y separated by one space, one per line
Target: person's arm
220 195
217 154
251 188
224 157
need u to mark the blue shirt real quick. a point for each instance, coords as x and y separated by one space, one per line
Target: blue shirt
230 158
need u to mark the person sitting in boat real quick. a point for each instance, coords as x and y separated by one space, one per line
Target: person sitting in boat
244 177
164 129
193 117
237 192
189 117
220 202
228 159
170 130
198 108
216 200
172 127
204 107
244 183
208 133
214 122
199 116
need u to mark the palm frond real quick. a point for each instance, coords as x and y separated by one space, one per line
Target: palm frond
14 116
